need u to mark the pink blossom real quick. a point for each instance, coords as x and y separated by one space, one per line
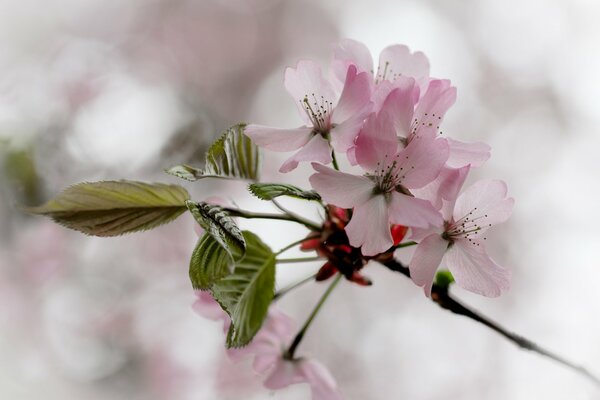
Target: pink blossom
460 244
332 119
395 63
382 196
269 347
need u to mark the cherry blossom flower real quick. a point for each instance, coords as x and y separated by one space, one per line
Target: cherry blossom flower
269 347
395 62
460 244
332 120
382 196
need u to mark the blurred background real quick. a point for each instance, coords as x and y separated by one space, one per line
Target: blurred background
93 90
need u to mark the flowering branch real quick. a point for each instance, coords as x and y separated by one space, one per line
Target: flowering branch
440 294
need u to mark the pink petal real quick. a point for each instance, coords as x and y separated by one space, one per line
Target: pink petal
381 92
277 139
474 270
343 136
401 62
377 143
432 107
351 52
422 160
317 149
446 186
369 227
426 260
399 105
355 96
486 201
306 80
339 188
284 373
413 212
322 383
462 153
207 307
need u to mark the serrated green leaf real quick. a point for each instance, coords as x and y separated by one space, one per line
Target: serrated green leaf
219 225
247 293
112 208
233 156
210 262
269 191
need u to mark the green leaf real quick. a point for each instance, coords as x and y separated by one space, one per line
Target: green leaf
219 225
112 208
233 156
210 262
247 293
444 279
268 191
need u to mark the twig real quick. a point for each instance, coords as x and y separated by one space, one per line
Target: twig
443 298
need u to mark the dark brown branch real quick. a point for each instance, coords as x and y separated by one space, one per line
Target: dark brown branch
444 299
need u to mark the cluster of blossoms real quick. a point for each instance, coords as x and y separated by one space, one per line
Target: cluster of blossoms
385 121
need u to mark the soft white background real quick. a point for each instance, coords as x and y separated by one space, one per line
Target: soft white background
108 89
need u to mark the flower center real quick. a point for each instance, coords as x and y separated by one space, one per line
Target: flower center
388 177
468 227
319 112
386 74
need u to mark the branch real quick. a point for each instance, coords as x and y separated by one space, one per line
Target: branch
444 299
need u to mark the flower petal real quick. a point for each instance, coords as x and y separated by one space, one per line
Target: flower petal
397 60
284 373
377 143
317 149
369 227
355 96
432 107
277 139
422 160
343 136
485 203
400 104
351 52
339 188
474 270
322 384
462 153
413 212
426 260
446 187
307 80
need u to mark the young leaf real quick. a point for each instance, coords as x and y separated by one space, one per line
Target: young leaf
219 225
247 293
210 262
268 191
233 155
112 208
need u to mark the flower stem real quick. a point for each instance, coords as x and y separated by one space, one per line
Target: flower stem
334 161
297 260
236 212
405 244
289 354
293 286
